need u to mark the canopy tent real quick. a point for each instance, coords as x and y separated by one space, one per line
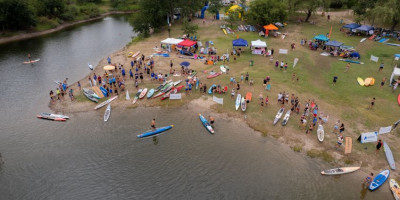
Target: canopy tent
171 41
396 72
321 38
239 43
365 28
258 44
334 43
352 26
187 43
270 27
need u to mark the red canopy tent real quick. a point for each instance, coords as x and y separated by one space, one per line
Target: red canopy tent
187 43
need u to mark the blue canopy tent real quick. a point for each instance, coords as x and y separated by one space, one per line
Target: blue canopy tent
351 26
240 43
364 28
321 38
334 43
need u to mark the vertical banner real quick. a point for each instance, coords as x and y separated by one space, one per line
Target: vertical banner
348 145
295 62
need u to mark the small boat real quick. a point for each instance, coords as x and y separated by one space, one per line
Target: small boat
155 132
107 113
379 180
105 102
278 115
395 188
210 90
238 100
90 66
214 75
51 115
389 155
206 124
150 93
143 93
91 97
127 95
340 170
31 61
243 104
320 133
90 92
50 118
286 118
136 96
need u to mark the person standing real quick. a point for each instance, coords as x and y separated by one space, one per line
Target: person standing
29 57
340 141
341 128
211 120
233 93
272 51
378 146
109 60
372 103
79 85
336 127
171 64
369 179
383 82
381 67
347 67
247 77
335 80
153 124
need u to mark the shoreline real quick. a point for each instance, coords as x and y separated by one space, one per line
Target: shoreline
25 36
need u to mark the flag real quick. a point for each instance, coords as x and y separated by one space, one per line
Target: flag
330 32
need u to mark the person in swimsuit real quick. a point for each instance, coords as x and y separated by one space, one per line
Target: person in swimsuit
383 82
211 120
153 124
369 179
372 103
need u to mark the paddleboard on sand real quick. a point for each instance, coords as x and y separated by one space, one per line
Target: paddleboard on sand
150 93
155 132
394 186
362 40
367 82
223 69
389 155
379 180
210 90
214 75
360 81
320 133
286 118
32 61
398 99
107 113
143 93
137 96
206 124
238 99
90 66
243 104
278 115
127 95
341 170
105 102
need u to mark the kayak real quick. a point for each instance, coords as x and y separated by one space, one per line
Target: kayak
389 155
341 170
214 75
238 99
90 66
206 124
32 61
143 93
379 180
107 113
278 115
394 186
320 133
105 102
286 118
51 115
150 93
136 96
172 91
91 97
210 90
51 118
243 104
90 92
155 132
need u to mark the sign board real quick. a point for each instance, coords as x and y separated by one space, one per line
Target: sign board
218 100
175 96
384 130
369 137
348 145
373 58
283 51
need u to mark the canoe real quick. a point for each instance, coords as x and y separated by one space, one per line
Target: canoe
223 69
105 102
127 95
143 93
104 91
210 90
107 113
341 170
389 155
379 180
249 96
136 96
395 188
155 132
243 104
278 115
360 81
50 118
90 66
206 124
286 118
32 61
172 91
238 99
320 133
90 92
214 75
90 97
367 82
51 115
150 93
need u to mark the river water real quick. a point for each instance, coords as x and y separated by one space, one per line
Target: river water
86 158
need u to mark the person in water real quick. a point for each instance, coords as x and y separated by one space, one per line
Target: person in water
153 124
211 120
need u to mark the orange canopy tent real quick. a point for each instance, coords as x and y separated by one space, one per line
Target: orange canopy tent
270 27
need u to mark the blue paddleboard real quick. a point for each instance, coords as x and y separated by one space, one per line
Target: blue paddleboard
379 180
155 132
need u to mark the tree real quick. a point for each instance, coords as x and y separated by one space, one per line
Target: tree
152 15
189 29
50 8
215 6
387 11
15 14
263 12
233 17
309 6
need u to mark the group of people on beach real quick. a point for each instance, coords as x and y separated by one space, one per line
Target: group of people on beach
61 91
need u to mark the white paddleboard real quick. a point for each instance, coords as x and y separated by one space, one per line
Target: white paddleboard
127 95
238 99
320 133
389 155
362 40
90 66
107 113
243 104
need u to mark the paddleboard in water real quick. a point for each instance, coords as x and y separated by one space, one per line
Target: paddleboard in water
238 99
360 81
206 124
389 155
32 61
90 66
320 133
394 186
155 132
379 180
127 95
243 104
107 113
341 170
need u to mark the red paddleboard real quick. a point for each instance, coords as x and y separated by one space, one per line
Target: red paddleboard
54 119
214 75
172 91
398 99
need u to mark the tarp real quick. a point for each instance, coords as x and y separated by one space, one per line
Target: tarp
355 54
258 43
239 43
365 28
321 37
171 41
270 27
334 43
396 72
351 26
187 43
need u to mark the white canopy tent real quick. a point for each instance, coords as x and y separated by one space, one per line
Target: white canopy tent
396 72
258 47
171 41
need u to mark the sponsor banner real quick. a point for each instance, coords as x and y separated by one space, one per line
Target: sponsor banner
384 130
175 96
369 137
283 51
374 58
218 100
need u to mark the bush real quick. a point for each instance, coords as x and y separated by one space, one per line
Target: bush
297 148
46 23
91 10
70 13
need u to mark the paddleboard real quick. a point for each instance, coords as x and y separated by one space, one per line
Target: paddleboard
351 61
395 188
91 97
210 90
372 81
51 115
341 170
362 40
367 82
104 91
206 124
389 155
238 99
224 31
223 69
105 102
127 95
197 83
150 93
32 61
214 75
360 81
107 113
90 92
90 66
143 93
50 118
155 132
379 180
278 115
243 104
137 96
320 133
286 118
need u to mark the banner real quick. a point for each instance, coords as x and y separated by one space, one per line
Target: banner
283 51
218 100
175 96
348 145
384 130
369 137
295 62
373 58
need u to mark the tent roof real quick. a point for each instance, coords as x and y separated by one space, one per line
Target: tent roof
396 71
187 43
365 28
258 43
321 37
270 27
334 43
397 55
352 26
172 41
239 43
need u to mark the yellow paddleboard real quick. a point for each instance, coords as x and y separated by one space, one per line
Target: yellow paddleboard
360 81
224 31
367 82
394 186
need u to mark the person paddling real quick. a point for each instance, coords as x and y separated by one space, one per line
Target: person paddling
153 124
211 120
29 57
